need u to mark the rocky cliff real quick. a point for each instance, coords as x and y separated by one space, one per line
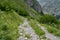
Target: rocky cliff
35 5
51 6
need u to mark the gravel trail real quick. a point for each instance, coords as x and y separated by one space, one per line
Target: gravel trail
49 35
24 29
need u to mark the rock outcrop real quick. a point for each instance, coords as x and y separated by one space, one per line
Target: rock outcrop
35 5
51 7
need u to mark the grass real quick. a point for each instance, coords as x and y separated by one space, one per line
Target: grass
52 30
34 25
27 36
9 22
19 6
48 19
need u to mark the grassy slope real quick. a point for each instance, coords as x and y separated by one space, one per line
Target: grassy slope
19 6
9 22
28 12
52 30
38 31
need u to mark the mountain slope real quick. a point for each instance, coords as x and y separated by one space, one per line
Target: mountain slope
14 12
35 5
10 19
8 25
51 6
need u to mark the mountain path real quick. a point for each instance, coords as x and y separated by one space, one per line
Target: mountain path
48 35
25 28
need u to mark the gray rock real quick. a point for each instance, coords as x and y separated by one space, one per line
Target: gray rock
35 5
50 6
27 30
48 35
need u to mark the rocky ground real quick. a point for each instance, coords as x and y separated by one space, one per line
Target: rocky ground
26 32
48 35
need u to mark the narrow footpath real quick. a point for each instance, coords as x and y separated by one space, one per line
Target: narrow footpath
47 34
24 29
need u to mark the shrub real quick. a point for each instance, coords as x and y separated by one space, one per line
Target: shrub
17 5
6 5
48 19
9 22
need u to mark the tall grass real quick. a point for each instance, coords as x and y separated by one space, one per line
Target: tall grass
9 22
36 28
52 30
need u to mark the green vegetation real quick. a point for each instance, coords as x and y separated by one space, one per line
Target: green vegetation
10 18
48 19
18 6
27 36
51 23
9 22
34 25
55 25
52 30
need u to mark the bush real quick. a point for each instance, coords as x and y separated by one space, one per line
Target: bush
16 5
6 5
48 19
9 22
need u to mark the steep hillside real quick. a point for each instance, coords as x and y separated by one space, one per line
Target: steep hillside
51 6
35 5
8 25
11 12
20 20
